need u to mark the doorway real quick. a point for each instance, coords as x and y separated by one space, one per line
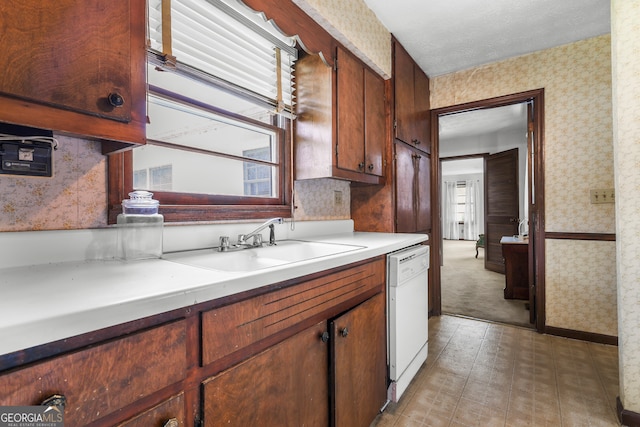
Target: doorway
486 143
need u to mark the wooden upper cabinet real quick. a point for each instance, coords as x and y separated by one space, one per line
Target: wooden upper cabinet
76 67
341 125
375 122
350 111
411 88
421 104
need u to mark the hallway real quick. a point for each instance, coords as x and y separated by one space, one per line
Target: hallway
487 374
468 289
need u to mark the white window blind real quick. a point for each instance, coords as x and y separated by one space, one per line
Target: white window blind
226 42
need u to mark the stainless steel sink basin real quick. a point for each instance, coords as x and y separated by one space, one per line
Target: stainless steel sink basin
285 252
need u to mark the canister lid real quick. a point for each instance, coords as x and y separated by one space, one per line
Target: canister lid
140 202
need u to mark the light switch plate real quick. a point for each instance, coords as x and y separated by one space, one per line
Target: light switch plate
606 195
337 197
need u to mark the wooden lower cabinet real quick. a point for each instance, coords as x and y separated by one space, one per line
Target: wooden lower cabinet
516 274
169 413
285 385
359 363
99 381
314 378
307 352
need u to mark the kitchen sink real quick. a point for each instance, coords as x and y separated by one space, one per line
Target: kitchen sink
284 252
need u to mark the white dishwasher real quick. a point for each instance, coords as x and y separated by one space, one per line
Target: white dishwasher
407 316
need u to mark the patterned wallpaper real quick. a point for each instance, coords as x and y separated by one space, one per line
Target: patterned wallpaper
578 139
74 198
579 308
578 157
356 27
316 200
625 18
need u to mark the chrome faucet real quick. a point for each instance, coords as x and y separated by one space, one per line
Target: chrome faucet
257 237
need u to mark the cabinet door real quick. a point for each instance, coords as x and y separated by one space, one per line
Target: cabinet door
423 203
67 53
404 93
61 60
285 385
421 104
413 189
374 122
350 113
405 191
358 340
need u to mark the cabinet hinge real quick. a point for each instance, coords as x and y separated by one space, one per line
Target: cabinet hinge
198 423
335 64
395 123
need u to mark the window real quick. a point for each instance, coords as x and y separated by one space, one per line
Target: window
257 177
461 200
220 104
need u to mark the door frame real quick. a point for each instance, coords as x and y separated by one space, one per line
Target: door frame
536 182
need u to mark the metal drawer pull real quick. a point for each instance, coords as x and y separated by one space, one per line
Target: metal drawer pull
55 400
172 422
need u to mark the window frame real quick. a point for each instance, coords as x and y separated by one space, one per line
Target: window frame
314 39
189 207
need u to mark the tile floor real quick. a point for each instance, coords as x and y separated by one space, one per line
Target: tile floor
488 374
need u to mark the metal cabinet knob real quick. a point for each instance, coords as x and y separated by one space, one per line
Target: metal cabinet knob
344 332
55 400
361 165
371 167
115 99
325 336
171 422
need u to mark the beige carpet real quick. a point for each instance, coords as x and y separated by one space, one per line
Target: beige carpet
470 290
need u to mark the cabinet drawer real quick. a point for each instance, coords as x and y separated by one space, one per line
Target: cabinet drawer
169 413
102 379
230 328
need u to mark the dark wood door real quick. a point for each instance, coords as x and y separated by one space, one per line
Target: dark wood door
501 204
423 192
374 122
50 58
350 106
413 189
405 212
285 385
404 94
359 363
421 104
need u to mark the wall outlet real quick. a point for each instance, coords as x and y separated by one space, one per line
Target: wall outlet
337 197
606 195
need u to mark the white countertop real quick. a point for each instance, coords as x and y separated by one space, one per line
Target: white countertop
514 240
48 302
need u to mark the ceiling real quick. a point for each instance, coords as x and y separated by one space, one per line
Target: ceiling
468 123
453 35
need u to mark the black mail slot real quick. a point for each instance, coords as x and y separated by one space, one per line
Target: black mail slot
25 150
25 158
